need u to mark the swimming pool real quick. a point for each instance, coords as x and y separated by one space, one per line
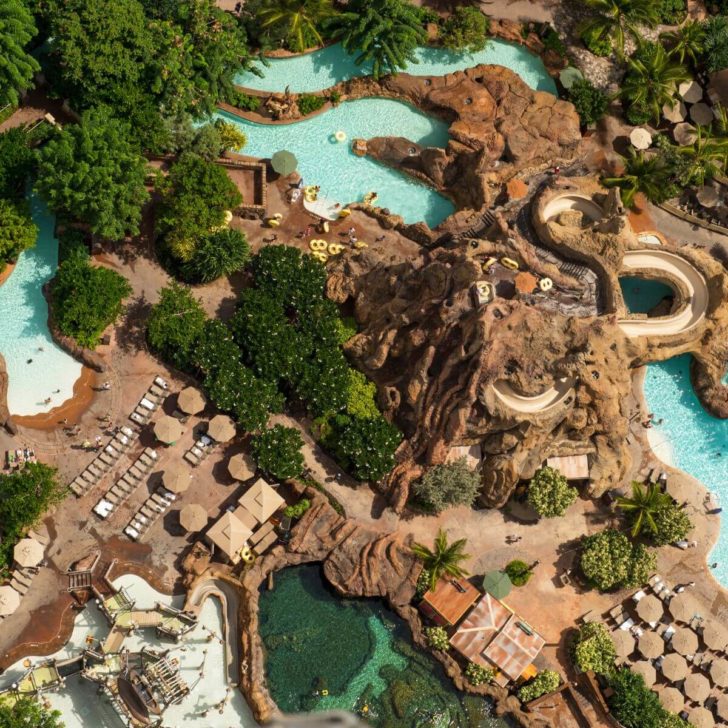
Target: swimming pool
24 333
82 707
689 438
331 65
341 174
641 295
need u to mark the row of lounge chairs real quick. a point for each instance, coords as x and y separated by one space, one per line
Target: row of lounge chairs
157 504
127 483
20 456
104 461
150 401
199 451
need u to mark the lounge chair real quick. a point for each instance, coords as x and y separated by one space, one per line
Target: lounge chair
627 624
94 469
148 404
103 508
106 458
132 533
159 381
138 418
190 458
89 477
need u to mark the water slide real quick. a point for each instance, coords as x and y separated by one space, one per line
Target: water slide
543 402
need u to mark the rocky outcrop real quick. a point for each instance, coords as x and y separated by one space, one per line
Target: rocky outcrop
6 420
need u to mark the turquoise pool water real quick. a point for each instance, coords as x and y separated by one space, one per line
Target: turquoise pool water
694 441
331 65
358 651
24 327
642 295
341 174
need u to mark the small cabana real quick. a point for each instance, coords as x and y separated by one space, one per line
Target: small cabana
572 467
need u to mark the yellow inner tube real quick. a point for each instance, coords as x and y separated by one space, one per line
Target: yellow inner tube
345 213
340 136
272 222
335 248
509 263
320 256
545 284
317 244
359 244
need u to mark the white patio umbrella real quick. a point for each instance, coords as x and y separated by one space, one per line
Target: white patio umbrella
28 552
640 138
675 112
9 600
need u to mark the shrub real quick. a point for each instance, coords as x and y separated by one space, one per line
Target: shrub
360 396
599 45
174 326
608 560
672 12
423 583
278 452
549 493
449 484
243 101
673 524
437 638
71 241
593 649
518 572
715 44
632 703
216 254
590 102
231 136
552 42
478 675
345 329
297 510
545 682
308 103
18 232
27 712
465 30
86 299
16 162
638 114
335 97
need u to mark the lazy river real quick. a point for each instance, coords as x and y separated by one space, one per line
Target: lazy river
24 333
324 652
345 177
328 66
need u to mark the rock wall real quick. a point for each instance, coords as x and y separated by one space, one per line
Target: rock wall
6 420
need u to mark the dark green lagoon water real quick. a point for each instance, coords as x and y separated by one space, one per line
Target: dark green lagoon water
641 295
359 652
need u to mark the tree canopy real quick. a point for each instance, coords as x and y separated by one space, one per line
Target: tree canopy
216 254
94 172
28 713
466 29
593 649
16 162
296 24
641 507
18 232
610 561
277 451
545 682
443 559
549 493
448 484
17 29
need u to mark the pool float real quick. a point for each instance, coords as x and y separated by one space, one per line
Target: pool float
509 263
344 213
340 136
317 244
229 217
335 248
545 284
310 193
278 216
320 256
325 226
359 244
489 263
272 222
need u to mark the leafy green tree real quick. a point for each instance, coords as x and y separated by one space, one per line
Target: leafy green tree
437 638
86 298
18 232
214 348
93 172
633 704
590 102
16 162
642 506
231 135
174 326
650 175
17 28
593 649
448 484
715 43
296 22
28 713
549 493
217 254
613 19
702 160
385 33
519 572
361 396
609 560
478 675
27 494
364 447
686 42
206 143
195 196
672 524
652 79
545 682
444 559
278 452
466 29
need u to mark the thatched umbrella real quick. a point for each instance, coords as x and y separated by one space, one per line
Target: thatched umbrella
221 428
683 607
702 114
651 645
176 479
241 466
191 401
640 138
28 552
701 717
623 642
650 608
721 707
647 670
168 429
719 672
690 91
675 112
193 517
674 667
715 636
684 641
9 600
672 699
697 687
684 134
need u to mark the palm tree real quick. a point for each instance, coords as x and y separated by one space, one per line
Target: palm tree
385 33
643 505
706 157
652 79
298 20
686 42
643 173
614 17
444 559
16 66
